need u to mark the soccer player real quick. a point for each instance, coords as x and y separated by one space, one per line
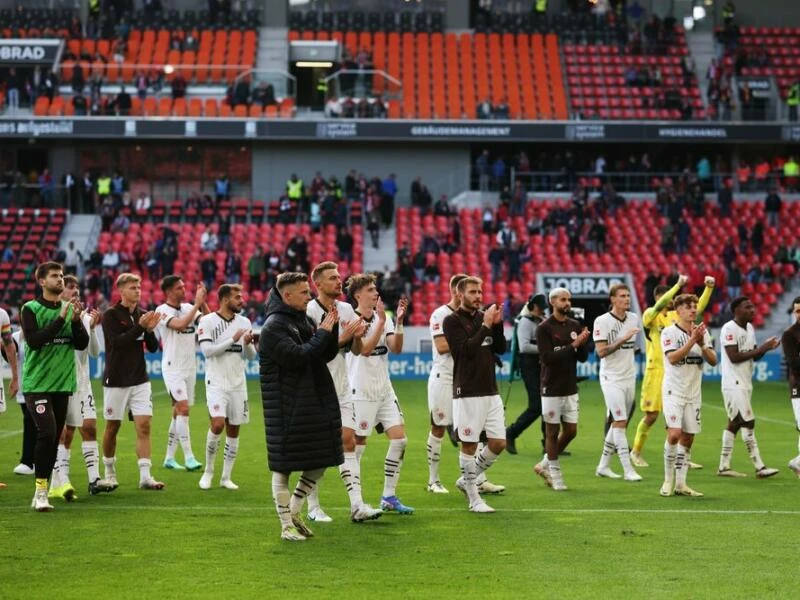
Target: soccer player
654 320
373 396
81 412
474 337
52 330
440 386
179 364
226 340
686 346
10 352
614 338
25 466
128 330
302 414
739 350
562 344
328 282
791 352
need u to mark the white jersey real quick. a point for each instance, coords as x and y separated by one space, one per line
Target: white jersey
621 365
5 329
369 375
225 359
337 366
20 363
84 382
682 380
739 375
180 348
442 363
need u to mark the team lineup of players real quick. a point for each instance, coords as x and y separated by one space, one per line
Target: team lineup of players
462 386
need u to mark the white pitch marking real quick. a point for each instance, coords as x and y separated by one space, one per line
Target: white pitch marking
8 434
767 419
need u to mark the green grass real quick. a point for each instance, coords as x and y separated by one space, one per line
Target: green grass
600 539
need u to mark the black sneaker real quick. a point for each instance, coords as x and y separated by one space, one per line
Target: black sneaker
511 446
98 486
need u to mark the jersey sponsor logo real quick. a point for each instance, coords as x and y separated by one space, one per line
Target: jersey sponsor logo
487 341
189 329
693 360
379 351
60 341
235 348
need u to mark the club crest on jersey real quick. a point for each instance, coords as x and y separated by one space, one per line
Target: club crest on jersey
363 425
551 414
597 332
41 409
673 418
729 337
573 335
109 411
436 326
668 342
216 407
467 431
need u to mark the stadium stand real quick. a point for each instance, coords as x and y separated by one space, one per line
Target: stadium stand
766 52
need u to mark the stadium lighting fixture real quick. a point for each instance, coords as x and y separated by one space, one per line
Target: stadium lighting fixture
698 12
325 64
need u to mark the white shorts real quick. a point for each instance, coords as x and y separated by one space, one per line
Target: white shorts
230 404
440 400
796 409
737 402
119 400
348 410
180 385
556 409
682 414
619 398
475 414
80 407
368 413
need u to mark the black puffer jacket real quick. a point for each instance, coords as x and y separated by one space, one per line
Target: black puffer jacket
301 411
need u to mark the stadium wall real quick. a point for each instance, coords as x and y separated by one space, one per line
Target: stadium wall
417 366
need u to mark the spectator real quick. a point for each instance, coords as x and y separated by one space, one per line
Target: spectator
498 172
374 228
506 237
72 258
496 257
734 277
482 170
111 260
793 100
514 257
485 110
729 254
208 269
502 111
124 102
12 89
668 238
725 200
442 208
78 80
47 188
487 221
684 231
178 86
209 242
388 191
744 237
79 105
420 196
772 207
120 223
255 270
519 199
142 205
333 107
297 254
222 189
432 273
141 84
344 243
233 267
169 254
757 238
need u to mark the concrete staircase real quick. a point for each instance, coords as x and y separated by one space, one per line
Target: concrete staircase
779 319
385 255
701 47
84 230
273 55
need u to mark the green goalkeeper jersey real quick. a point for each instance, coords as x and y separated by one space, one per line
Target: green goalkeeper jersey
50 368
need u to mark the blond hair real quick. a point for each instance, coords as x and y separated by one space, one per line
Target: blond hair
317 272
126 278
684 299
468 280
290 278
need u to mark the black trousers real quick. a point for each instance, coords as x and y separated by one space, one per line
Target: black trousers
49 412
529 367
28 437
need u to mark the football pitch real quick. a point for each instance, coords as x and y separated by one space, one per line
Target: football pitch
600 539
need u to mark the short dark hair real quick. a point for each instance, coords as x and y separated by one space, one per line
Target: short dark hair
455 279
685 299
71 279
660 290
738 302
290 278
317 272
470 280
358 281
796 301
226 289
43 270
169 281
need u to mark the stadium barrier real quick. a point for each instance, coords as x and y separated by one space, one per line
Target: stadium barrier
417 366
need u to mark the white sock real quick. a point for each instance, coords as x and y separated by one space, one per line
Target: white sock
670 451
749 437
306 483
555 469
172 439
60 474
281 496
144 469
728 440
391 466
212 446
182 429
110 465
231 450
350 472
91 456
681 465
313 497
469 469
621 446
485 459
360 451
608 450
434 457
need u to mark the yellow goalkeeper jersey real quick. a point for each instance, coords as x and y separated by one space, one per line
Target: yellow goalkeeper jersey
654 321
